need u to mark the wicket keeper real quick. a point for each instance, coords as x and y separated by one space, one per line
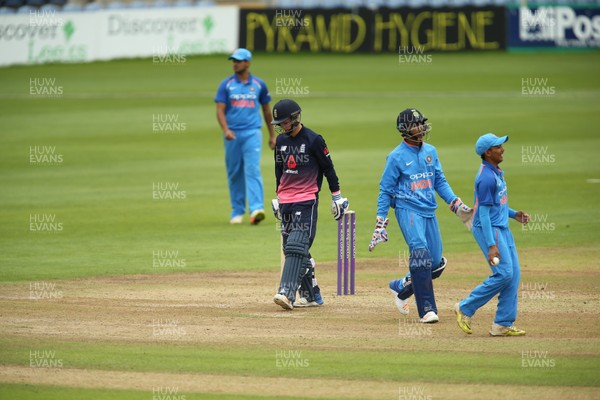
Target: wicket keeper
301 160
412 176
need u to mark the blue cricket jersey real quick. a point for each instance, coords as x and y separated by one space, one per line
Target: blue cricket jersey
490 190
411 178
243 101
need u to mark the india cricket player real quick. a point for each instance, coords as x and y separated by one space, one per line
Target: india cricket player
301 160
412 176
239 99
490 229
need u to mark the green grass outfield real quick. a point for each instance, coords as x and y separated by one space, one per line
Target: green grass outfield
102 127
101 191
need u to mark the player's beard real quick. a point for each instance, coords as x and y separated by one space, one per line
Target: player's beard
417 138
420 136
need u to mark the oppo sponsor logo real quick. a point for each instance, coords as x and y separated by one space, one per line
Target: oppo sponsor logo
421 175
120 25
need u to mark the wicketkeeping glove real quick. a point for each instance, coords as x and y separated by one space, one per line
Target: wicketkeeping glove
276 210
339 205
380 234
462 211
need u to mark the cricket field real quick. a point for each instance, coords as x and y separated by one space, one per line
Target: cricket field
121 277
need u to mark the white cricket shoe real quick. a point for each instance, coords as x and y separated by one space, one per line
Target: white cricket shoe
402 305
303 302
430 318
238 219
283 301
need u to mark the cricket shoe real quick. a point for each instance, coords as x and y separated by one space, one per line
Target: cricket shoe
238 219
283 301
398 284
499 330
303 302
463 321
319 298
430 318
257 216
402 305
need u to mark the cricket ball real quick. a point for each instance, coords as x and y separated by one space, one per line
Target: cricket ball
495 261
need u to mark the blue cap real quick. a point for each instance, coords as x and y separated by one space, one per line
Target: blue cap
241 55
488 140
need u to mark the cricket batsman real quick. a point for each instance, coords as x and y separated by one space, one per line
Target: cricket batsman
490 229
412 176
301 161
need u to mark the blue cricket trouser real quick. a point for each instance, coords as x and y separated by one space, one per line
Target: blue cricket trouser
422 234
503 282
242 160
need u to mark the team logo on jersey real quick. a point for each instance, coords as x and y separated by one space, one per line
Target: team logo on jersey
428 158
326 151
291 162
302 148
252 88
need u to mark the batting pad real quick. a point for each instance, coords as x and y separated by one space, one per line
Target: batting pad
296 260
438 271
407 290
306 283
420 271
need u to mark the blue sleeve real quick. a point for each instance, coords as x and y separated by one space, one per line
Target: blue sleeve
486 190
486 224
264 96
221 96
442 187
511 213
387 186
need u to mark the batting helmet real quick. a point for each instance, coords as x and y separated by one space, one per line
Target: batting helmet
285 109
407 118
